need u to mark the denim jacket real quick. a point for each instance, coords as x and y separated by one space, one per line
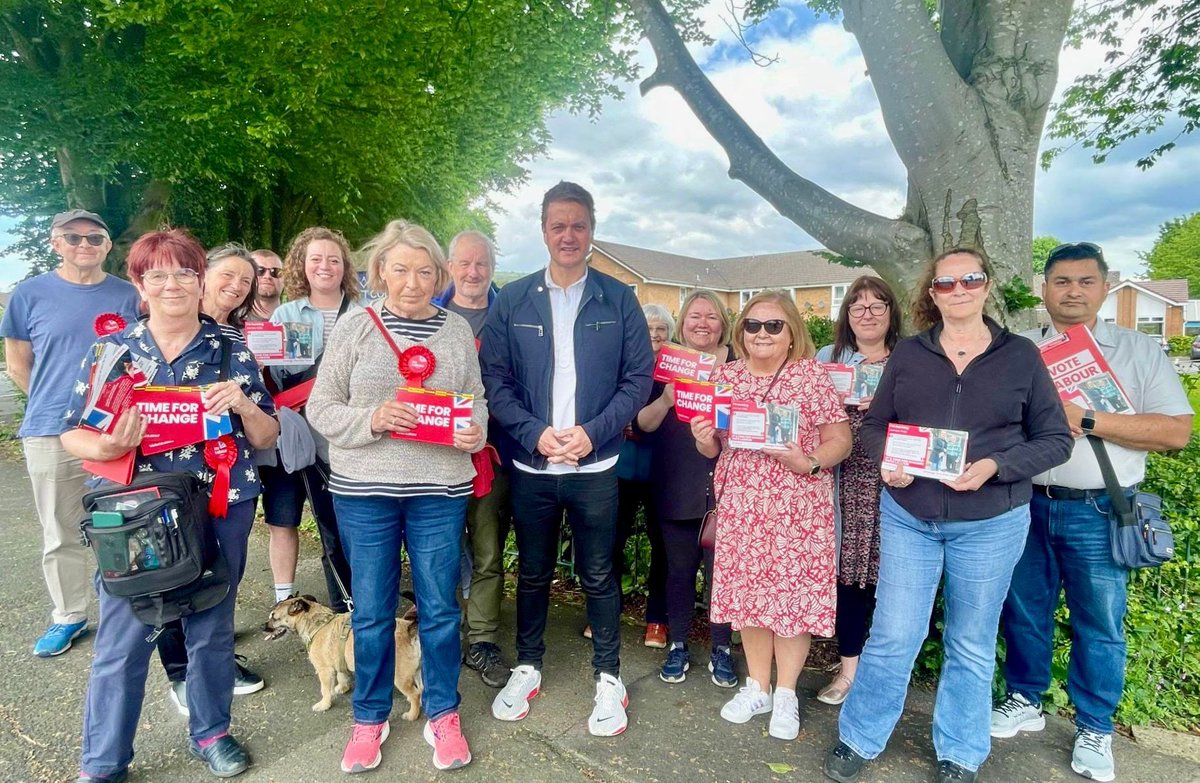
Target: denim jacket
613 363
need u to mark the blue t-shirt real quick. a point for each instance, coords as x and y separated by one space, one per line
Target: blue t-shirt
58 317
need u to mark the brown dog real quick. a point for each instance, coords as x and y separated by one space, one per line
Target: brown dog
330 644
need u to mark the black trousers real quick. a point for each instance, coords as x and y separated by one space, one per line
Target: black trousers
590 502
630 495
855 605
684 555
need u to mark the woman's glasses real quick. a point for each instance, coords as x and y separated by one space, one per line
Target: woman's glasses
774 326
875 308
159 276
276 273
971 281
74 240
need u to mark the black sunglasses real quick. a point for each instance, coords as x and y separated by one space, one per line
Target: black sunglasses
276 272
1072 251
95 240
774 326
971 281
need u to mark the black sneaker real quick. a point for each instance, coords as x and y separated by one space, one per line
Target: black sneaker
245 681
949 772
225 758
843 764
484 657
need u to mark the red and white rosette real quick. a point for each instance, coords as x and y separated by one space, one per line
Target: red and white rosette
417 364
220 455
108 323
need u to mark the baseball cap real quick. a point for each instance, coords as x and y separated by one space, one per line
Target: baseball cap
62 218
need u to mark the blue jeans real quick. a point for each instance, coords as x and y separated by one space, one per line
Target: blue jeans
590 501
117 683
1068 549
976 561
430 527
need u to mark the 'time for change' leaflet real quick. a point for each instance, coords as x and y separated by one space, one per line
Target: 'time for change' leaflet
925 451
440 414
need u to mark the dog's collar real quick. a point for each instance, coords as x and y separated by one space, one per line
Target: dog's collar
317 625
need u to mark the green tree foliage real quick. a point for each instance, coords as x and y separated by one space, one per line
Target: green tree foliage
1150 86
250 121
1176 252
1041 249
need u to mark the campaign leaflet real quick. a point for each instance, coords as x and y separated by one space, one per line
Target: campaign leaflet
755 425
703 400
842 376
440 414
114 376
925 451
274 344
1081 374
866 381
675 361
175 417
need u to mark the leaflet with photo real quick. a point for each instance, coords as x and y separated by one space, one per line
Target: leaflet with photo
1080 372
842 376
675 361
754 425
440 414
866 381
289 343
931 452
114 376
704 400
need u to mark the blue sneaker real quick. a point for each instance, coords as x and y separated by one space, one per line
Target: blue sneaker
57 639
721 666
677 663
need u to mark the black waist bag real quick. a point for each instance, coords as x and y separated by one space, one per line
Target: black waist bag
162 554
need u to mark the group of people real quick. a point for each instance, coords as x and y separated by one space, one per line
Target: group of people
813 537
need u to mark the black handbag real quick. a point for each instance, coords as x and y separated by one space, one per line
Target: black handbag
1138 534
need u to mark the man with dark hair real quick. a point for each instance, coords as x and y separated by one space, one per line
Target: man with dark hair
270 284
1068 546
50 323
566 363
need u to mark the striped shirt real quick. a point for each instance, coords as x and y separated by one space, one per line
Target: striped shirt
418 331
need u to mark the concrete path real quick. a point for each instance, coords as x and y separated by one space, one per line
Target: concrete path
675 733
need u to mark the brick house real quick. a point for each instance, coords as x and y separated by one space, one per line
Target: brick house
1155 307
817 284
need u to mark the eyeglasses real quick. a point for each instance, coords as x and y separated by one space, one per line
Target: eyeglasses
774 326
276 272
1071 251
159 276
875 308
971 281
74 240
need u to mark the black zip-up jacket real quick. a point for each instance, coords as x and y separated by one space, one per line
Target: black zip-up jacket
1004 399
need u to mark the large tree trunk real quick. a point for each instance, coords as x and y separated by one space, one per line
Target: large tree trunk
964 108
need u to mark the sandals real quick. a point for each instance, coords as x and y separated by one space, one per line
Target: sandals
836 691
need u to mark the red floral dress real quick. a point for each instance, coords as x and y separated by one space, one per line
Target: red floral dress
775 563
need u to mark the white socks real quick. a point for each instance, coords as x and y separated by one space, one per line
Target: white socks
284 591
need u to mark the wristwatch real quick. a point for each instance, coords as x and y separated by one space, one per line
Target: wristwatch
815 465
1089 421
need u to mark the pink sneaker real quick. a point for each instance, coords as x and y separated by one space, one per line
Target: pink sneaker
362 751
450 749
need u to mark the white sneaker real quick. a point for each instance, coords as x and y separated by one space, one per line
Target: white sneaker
512 702
1014 715
750 700
785 715
608 717
1093 756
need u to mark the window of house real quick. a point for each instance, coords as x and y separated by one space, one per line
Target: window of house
745 296
633 287
1150 325
683 294
836 294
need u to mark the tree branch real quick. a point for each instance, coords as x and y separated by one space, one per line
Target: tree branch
927 106
840 226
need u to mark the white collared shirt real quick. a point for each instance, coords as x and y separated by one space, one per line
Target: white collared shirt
564 308
1152 385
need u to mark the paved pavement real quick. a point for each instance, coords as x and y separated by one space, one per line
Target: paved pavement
675 733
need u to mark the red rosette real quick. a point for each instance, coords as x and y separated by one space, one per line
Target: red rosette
108 323
220 455
417 364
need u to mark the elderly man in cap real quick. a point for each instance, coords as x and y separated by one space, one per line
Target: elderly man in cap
51 322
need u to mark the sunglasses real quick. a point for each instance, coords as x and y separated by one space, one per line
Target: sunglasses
971 281
1075 251
774 326
74 240
276 273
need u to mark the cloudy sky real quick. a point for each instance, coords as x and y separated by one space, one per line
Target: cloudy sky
661 182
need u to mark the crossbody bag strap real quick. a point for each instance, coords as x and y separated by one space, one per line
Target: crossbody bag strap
226 358
384 331
1115 492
